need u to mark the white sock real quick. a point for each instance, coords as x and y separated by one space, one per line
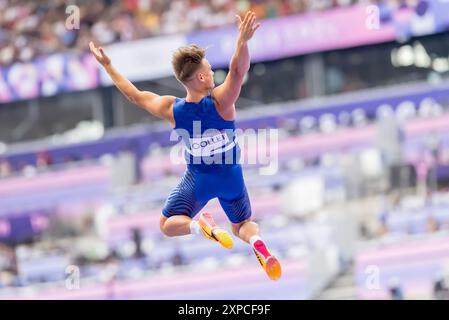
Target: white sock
254 239
194 227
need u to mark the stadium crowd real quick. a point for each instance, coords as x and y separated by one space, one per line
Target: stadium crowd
32 28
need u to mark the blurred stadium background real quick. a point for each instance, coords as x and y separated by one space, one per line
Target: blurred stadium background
358 209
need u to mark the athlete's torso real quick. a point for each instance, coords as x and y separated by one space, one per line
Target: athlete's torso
210 141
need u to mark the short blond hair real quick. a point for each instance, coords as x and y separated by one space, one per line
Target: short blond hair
186 61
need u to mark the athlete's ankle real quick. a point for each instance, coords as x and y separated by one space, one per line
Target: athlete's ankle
259 245
253 239
209 219
194 227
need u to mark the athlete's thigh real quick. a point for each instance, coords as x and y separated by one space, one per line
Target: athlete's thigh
183 199
234 197
237 209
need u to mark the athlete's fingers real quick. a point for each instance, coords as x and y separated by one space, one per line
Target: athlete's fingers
253 19
255 28
94 50
248 13
102 51
92 46
239 22
251 24
247 17
247 24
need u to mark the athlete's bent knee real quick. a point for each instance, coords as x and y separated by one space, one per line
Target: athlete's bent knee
236 227
162 225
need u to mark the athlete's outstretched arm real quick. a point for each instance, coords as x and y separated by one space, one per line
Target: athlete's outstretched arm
159 106
227 93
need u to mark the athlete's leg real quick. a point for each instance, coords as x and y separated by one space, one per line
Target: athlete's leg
180 207
177 225
248 231
238 209
245 230
184 202
180 225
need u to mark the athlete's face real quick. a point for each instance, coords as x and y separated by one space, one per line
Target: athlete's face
206 75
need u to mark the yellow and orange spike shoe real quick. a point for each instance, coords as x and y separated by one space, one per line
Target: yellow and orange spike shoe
268 262
213 232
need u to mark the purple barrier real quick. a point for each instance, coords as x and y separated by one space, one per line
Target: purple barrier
417 261
50 190
156 167
221 284
23 226
409 272
55 180
49 200
416 221
398 253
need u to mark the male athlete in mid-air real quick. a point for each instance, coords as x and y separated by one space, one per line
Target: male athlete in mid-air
212 108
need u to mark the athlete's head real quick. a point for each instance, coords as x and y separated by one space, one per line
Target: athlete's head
192 68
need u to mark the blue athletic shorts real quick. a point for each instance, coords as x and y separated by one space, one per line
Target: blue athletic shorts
196 188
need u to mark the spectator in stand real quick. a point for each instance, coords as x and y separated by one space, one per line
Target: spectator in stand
395 289
5 168
43 160
440 289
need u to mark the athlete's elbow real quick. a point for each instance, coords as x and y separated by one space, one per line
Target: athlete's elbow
133 98
239 72
237 68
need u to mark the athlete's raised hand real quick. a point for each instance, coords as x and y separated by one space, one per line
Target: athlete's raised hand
247 26
100 55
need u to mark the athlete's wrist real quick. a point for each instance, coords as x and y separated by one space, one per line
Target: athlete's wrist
241 42
108 67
